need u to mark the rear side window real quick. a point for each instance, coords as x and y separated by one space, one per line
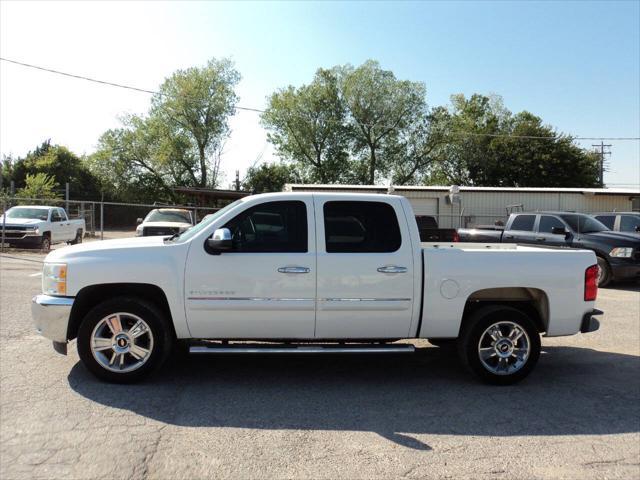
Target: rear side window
271 227
629 223
607 220
523 223
547 224
361 227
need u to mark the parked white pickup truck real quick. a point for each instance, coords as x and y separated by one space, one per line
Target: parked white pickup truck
311 273
40 226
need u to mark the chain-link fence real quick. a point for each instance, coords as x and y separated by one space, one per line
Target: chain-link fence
103 220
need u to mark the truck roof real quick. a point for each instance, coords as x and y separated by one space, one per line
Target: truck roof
39 207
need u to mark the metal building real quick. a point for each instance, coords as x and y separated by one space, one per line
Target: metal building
472 206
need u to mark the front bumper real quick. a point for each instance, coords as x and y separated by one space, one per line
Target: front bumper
51 318
625 270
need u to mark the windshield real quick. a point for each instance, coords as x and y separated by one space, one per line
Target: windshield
180 216
29 213
584 223
208 220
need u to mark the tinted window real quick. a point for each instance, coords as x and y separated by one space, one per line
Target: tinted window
629 223
271 227
523 223
547 224
55 216
580 223
63 216
357 227
607 220
178 216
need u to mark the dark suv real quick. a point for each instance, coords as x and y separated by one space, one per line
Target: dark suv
620 221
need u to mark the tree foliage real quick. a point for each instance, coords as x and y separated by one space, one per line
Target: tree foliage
58 163
269 177
487 145
39 186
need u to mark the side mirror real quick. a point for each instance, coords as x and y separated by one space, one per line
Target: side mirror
560 231
638 228
138 221
221 240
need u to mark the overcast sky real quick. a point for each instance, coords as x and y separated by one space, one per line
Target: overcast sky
575 64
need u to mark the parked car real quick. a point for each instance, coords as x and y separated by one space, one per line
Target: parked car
40 227
430 232
620 221
311 273
618 253
164 221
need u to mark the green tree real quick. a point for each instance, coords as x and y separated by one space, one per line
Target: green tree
483 145
384 113
195 104
40 186
59 163
269 177
307 125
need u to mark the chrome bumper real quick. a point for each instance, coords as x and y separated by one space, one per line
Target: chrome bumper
51 317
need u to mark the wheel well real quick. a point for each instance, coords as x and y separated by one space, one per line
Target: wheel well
46 234
91 296
531 301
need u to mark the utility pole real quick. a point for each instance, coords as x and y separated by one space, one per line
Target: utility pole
237 180
602 153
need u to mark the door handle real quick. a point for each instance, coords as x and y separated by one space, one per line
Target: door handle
509 237
294 270
540 239
392 269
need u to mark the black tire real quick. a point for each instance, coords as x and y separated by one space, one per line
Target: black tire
604 276
152 316
473 329
78 238
45 243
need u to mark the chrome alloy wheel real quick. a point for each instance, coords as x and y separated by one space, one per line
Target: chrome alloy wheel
504 348
121 342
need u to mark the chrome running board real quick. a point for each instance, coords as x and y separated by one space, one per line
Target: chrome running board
300 349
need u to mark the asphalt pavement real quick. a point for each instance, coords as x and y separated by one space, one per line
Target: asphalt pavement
413 416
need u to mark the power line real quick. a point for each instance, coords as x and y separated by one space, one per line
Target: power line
258 110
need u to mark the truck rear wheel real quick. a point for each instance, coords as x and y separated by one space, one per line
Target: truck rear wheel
77 239
500 344
124 339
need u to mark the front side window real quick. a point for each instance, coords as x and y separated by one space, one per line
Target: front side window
607 220
630 223
580 223
523 223
361 227
270 227
547 224
55 216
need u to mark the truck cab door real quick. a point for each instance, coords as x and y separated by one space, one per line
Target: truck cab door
57 226
265 286
546 235
521 229
365 269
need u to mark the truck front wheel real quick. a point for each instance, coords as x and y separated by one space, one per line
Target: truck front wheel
124 339
500 344
45 243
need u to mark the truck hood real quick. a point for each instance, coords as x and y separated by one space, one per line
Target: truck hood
21 221
166 224
103 247
621 239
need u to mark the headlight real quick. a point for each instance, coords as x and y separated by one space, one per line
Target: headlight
621 252
139 230
54 279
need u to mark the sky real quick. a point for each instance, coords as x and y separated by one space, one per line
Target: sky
576 64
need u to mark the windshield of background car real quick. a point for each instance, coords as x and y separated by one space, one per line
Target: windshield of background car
206 222
29 213
168 216
584 223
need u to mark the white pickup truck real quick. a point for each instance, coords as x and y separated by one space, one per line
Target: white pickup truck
40 226
311 273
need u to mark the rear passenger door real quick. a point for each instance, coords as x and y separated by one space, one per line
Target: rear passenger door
365 269
521 229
